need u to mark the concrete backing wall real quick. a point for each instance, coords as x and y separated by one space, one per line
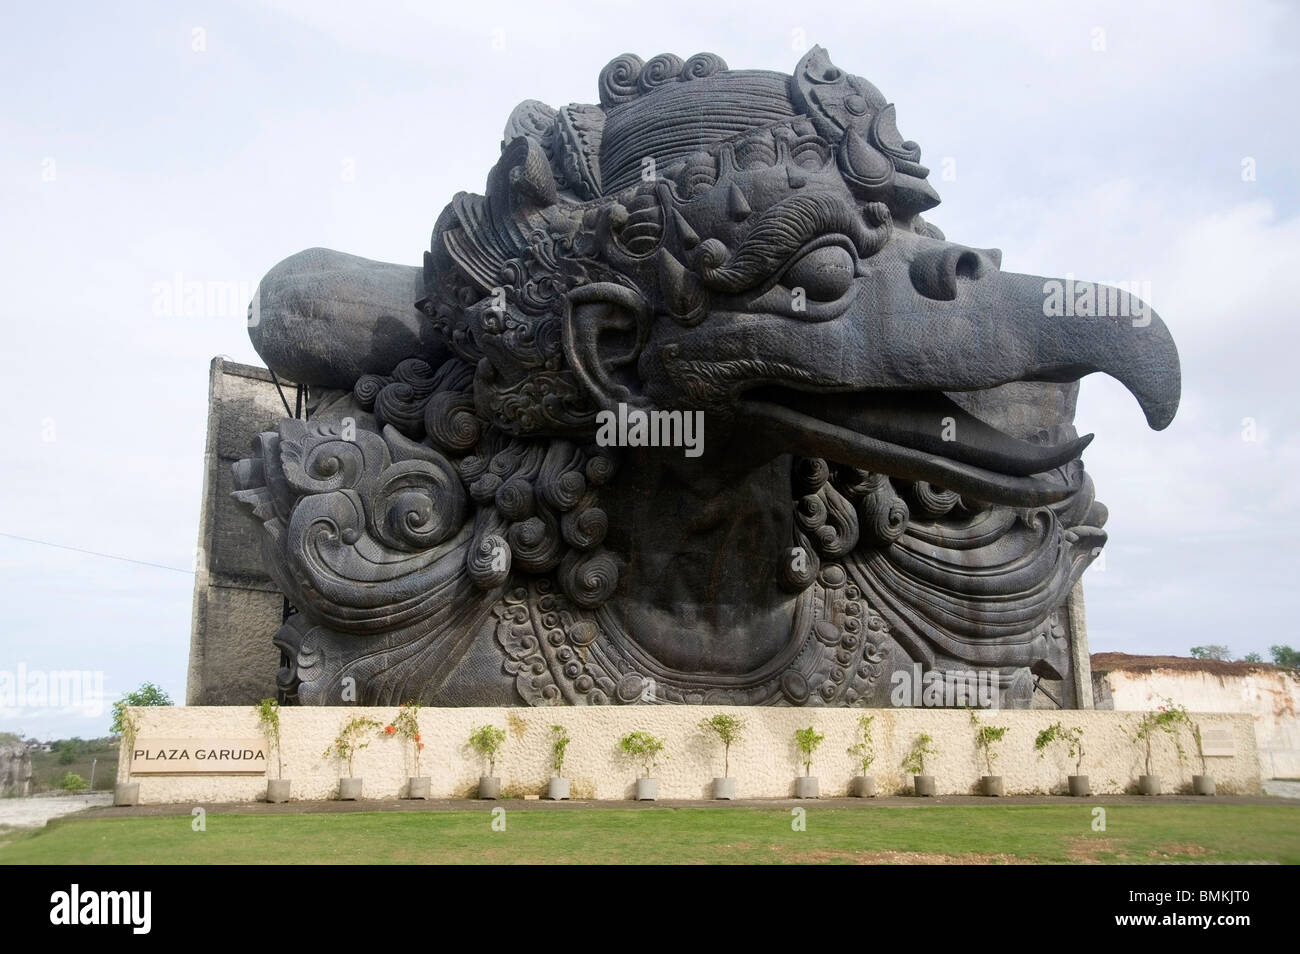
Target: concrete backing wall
1269 697
764 763
237 609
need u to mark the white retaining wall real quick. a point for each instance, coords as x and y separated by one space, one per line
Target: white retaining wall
764 763
1270 697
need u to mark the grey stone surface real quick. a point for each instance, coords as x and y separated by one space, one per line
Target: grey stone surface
237 607
15 770
889 483
1077 619
328 318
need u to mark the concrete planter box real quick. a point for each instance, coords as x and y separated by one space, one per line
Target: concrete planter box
557 789
1079 787
923 785
647 789
126 793
992 786
418 786
489 788
1202 784
277 790
349 789
1149 784
806 787
724 789
864 786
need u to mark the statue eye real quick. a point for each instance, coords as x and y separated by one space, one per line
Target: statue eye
824 274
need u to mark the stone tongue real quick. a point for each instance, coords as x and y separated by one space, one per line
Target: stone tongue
814 436
931 422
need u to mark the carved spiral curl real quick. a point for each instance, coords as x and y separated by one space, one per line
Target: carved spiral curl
934 502
712 255
471 468
877 214
839 533
484 489
884 514
565 491
515 457
514 499
810 513
326 466
418 374
661 69
367 389
585 526
400 405
418 505
488 561
560 482
810 474
451 421
589 579
701 65
536 542
618 80
601 467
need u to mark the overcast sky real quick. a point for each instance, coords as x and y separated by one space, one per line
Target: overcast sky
187 142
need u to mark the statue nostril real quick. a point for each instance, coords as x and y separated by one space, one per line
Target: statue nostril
940 270
967 266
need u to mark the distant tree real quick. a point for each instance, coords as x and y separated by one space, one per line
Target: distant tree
1252 657
1212 651
69 749
147 695
1285 656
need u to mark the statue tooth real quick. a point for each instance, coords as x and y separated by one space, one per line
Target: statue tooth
737 205
681 290
689 238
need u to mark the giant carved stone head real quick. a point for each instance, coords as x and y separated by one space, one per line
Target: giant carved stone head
692 405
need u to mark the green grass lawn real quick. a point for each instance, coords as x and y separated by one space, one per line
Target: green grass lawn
739 834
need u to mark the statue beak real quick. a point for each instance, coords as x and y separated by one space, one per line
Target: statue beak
969 326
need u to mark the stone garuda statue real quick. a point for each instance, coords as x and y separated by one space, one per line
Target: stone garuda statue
691 406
